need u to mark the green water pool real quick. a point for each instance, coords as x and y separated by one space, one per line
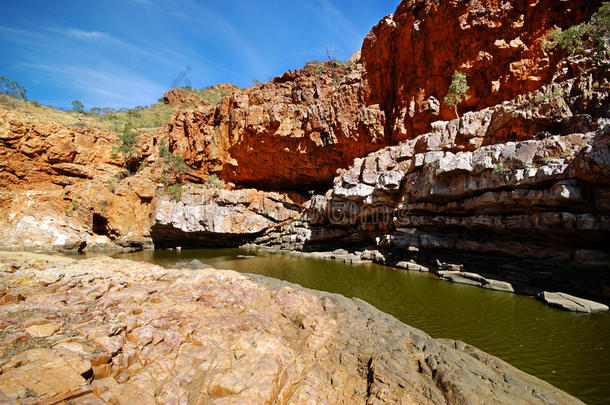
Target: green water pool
569 350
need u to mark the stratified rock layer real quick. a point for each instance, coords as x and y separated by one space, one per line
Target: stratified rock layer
526 179
115 331
216 217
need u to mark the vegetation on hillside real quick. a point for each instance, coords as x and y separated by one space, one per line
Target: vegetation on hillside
214 182
593 34
172 167
125 145
77 106
210 95
153 116
106 118
12 88
13 97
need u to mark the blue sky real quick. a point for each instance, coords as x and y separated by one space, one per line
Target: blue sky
123 53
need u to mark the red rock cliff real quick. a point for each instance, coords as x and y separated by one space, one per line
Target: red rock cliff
410 57
296 131
292 133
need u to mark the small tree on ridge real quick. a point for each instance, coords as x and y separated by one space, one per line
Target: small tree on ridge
125 144
78 106
457 89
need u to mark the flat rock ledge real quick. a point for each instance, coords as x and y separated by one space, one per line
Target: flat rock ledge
451 272
103 330
571 303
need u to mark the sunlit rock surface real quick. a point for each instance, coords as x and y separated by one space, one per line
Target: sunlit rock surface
115 331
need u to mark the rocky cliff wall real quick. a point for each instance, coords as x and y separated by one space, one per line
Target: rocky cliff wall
61 188
294 132
410 56
527 179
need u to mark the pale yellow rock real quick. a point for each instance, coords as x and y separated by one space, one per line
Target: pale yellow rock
43 374
43 330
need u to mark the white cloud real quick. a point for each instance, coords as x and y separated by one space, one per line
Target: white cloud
88 35
338 24
117 87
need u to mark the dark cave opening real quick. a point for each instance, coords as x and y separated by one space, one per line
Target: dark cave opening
100 225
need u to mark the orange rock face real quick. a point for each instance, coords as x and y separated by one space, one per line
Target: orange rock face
60 187
410 57
292 133
296 131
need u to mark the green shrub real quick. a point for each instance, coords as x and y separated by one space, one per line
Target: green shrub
317 72
577 38
175 190
457 89
499 168
78 107
125 144
172 166
213 181
553 94
12 88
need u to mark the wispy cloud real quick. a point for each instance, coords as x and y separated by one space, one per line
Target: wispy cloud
114 86
47 39
337 23
88 35
223 27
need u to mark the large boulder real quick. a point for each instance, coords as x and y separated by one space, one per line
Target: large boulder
205 216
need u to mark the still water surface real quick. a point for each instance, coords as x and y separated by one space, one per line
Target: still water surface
569 350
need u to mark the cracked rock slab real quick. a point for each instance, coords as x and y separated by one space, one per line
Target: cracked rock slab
131 332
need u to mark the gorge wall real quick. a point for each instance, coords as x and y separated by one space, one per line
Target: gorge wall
294 132
536 192
410 56
520 178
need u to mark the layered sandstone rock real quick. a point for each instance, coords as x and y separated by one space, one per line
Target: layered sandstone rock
525 179
207 216
127 332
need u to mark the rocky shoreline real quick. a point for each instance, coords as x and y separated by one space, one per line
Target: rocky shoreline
103 330
447 272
